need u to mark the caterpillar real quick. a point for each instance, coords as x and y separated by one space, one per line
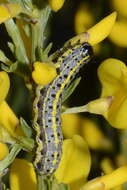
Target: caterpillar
47 108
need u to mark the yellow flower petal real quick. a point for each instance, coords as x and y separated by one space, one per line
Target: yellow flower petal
4 85
117 112
3 151
43 73
102 29
22 175
8 11
94 137
100 106
77 185
120 6
75 162
9 120
98 32
118 34
113 76
83 18
109 181
107 165
56 4
71 124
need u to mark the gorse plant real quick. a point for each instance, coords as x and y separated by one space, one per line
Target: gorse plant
51 150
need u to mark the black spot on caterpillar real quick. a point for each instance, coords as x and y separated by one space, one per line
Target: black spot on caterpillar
47 105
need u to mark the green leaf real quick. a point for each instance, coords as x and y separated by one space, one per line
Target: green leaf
27 4
48 48
26 29
25 127
71 89
45 52
26 143
3 58
38 34
11 46
9 158
18 68
9 68
14 33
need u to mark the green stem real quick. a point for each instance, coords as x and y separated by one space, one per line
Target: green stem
79 109
42 185
35 33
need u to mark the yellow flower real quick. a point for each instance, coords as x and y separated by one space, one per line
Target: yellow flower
75 163
43 73
94 136
56 4
83 18
100 106
118 34
8 11
22 175
113 77
109 181
98 32
107 168
102 29
71 124
107 165
3 150
8 120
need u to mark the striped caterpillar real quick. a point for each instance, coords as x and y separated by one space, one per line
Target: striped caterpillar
47 108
